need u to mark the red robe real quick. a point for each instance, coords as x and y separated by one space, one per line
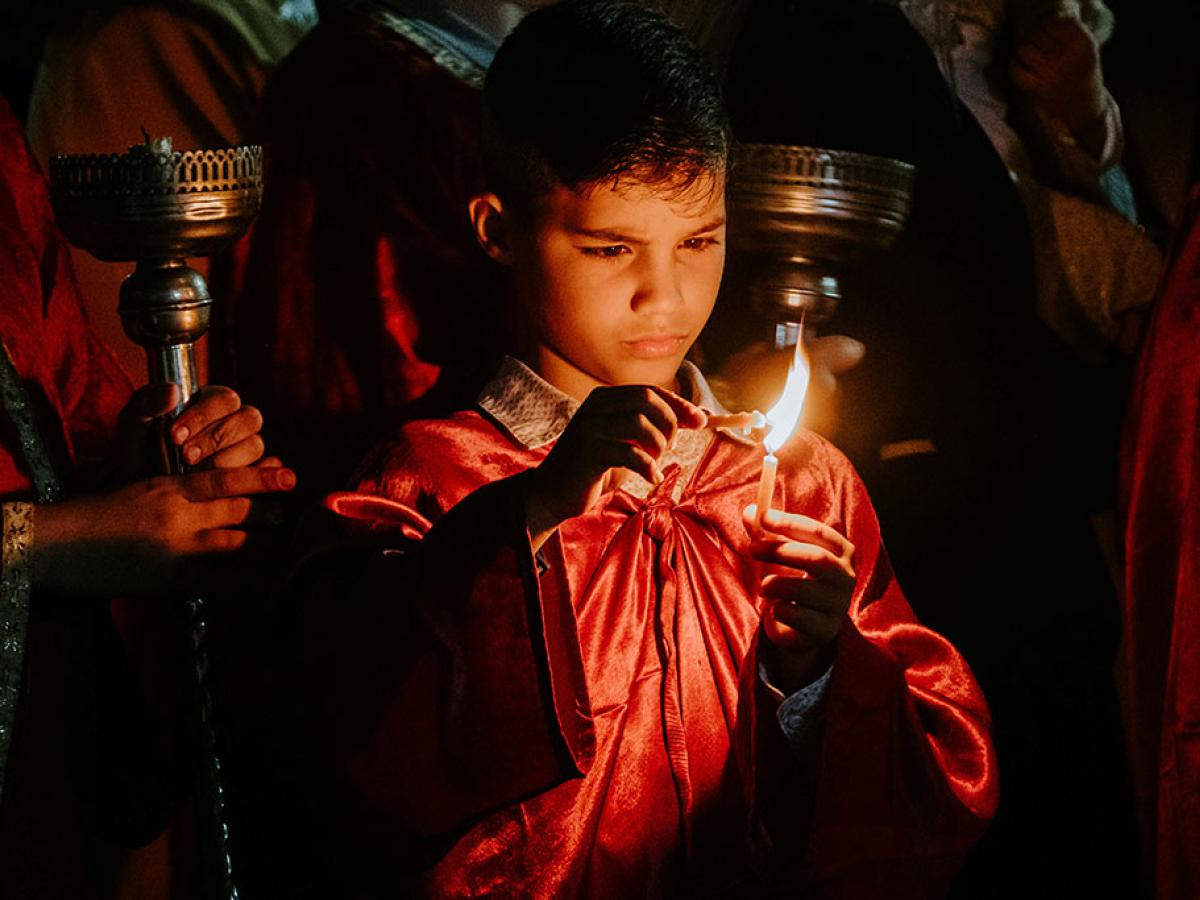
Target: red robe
77 389
72 375
1160 480
601 729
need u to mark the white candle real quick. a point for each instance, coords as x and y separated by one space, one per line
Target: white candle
782 417
766 488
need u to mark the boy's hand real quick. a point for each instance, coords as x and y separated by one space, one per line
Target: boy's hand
625 427
805 610
215 430
146 536
1056 62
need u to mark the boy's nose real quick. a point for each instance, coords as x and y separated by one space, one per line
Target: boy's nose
658 288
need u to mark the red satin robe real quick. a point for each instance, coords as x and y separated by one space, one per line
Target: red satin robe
76 389
75 382
600 730
1160 480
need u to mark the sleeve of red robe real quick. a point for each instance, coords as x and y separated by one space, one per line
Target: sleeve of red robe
494 684
43 321
906 777
1160 477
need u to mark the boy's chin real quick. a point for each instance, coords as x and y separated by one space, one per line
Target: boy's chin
659 372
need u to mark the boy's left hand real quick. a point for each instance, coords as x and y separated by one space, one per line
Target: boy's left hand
215 430
804 610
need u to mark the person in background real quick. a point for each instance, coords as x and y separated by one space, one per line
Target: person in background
78 741
360 286
1029 71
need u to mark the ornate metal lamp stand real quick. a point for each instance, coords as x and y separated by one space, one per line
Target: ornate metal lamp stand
800 214
158 207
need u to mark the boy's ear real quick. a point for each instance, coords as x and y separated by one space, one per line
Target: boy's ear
491 227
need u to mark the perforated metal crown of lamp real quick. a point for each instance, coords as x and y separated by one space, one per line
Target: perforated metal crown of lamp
158 207
799 215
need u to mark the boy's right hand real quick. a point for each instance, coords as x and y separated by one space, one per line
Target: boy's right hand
146 536
625 427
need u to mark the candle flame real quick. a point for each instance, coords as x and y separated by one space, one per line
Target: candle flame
784 415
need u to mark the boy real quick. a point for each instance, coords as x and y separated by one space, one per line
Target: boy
592 675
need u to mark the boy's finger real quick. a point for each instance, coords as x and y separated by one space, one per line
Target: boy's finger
660 412
812 559
207 406
638 460
270 462
642 432
796 527
225 432
216 483
643 401
688 414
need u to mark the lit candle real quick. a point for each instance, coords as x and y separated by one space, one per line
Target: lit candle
782 417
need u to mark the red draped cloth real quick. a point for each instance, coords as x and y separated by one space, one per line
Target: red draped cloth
362 279
600 728
1161 497
77 389
71 374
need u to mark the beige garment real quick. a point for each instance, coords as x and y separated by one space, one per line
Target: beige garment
180 73
1094 269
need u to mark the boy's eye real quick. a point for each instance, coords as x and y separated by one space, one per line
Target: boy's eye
611 252
699 243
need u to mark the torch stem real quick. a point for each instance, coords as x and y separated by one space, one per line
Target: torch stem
176 364
173 364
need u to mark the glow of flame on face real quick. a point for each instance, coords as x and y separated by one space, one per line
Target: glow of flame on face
785 414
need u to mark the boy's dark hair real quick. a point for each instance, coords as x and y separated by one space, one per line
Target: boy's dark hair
588 91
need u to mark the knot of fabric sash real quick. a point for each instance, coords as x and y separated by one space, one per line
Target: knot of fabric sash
660 505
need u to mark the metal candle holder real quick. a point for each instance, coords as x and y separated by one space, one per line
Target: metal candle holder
803 213
158 207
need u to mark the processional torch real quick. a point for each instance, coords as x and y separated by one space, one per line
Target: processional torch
158 207
798 217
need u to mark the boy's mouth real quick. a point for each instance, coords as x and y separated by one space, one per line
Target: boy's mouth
655 346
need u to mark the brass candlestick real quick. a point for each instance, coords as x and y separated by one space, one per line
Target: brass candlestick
159 207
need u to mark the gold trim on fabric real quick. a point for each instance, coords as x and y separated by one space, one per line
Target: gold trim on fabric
16 587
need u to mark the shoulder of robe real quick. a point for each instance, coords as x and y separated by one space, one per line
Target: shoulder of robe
428 455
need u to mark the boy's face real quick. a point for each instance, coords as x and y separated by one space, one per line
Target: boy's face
618 281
